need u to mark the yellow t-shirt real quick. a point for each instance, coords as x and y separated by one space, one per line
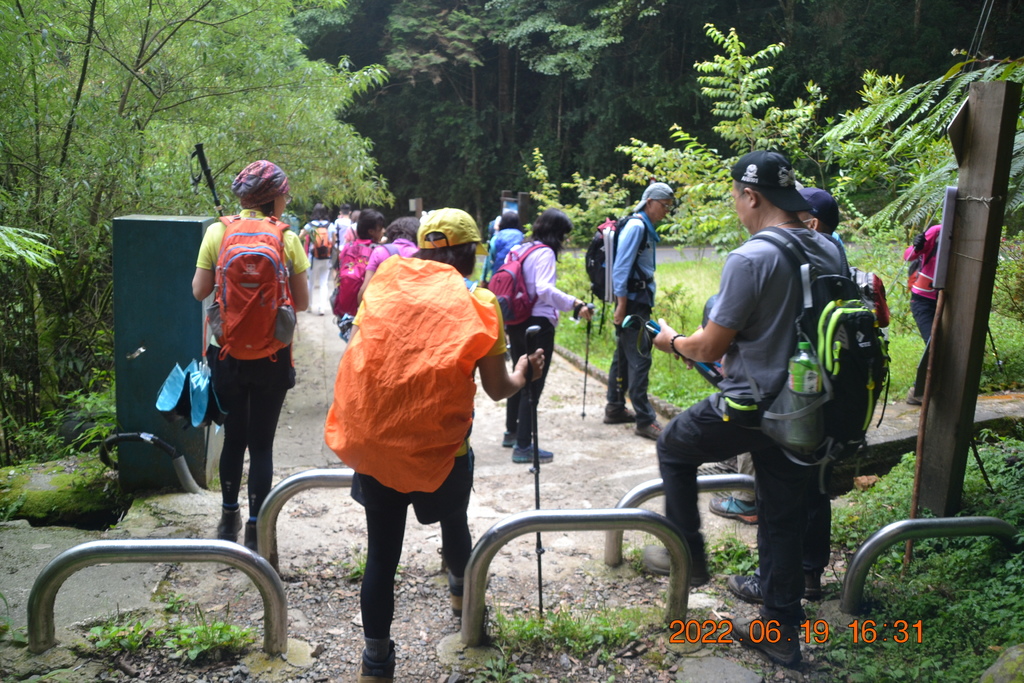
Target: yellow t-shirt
295 256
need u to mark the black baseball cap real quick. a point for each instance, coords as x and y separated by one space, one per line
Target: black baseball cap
823 206
772 175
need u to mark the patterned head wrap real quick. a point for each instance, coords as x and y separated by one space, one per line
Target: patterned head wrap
258 183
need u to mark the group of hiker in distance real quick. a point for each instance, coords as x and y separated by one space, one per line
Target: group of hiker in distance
792 342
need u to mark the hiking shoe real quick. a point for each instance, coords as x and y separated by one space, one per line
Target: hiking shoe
734 508
509 440
724 467
250 536
912 399
229 526
377 672
455 591
812 584
525 455
618 415
746 588
780 643
656 561
651 431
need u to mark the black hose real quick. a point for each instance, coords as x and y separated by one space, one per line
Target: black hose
177 459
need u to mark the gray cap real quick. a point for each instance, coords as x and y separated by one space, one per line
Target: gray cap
654 191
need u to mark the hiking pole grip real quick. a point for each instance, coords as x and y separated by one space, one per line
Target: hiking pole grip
531 333
204 167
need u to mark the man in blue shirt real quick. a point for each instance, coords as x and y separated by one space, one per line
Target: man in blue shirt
633 287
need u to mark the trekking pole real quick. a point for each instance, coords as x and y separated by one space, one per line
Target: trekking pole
531 333
204 172
586 361
992 341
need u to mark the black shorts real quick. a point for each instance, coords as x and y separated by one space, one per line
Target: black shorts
451 496
231 374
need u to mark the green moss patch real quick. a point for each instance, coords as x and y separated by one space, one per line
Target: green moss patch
70 492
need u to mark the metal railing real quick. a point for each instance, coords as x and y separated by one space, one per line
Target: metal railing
266 520
860 564
643 492
52 577
475 586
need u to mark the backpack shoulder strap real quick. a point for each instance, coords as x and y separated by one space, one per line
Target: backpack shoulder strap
794 254
521 256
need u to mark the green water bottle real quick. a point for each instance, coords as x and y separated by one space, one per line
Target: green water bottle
803 371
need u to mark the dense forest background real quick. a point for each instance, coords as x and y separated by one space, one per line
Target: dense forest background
476 85
375 102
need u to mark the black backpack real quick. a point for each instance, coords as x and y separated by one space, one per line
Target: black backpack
852 353
601 251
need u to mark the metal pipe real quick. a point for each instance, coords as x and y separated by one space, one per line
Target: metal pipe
643 492
542 521
266 520
860 564
51 578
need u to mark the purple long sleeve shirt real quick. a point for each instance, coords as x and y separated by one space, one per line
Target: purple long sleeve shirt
539 270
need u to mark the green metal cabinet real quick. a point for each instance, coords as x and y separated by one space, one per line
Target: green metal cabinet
154 310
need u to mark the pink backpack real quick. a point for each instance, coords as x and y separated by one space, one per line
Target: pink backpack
352 260
509 285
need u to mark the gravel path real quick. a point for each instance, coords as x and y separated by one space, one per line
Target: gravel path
321 534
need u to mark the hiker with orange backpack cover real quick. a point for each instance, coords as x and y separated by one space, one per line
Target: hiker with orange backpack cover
403 410
250 353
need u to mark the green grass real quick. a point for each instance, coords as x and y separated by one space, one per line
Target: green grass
966 591
580 634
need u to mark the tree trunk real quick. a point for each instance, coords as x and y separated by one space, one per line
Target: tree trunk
504 98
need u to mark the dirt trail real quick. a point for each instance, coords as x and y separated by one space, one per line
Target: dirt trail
594 466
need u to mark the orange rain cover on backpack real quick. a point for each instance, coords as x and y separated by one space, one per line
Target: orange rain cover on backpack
403 396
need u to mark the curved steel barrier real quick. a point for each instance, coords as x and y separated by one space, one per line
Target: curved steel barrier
266 520
51 578
473 605
860 564
644 491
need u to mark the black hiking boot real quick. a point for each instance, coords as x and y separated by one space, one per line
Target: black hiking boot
229 526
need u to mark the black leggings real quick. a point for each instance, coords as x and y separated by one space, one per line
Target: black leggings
252 393
386 531
517 409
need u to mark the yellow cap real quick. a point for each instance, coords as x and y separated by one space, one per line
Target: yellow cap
457 226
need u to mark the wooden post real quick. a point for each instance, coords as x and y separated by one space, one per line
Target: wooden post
985 141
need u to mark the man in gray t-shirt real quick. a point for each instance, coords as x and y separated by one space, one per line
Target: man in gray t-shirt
752 329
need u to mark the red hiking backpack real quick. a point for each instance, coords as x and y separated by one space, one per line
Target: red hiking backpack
509 285
252 315
352 260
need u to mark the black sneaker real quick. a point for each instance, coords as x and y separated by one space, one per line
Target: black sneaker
377 672
748 588
618 416
780 643
229 525
455 590
525 455
509 440
250 536
656 561
812 584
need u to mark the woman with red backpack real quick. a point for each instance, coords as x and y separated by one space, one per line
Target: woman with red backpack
250 353
539 270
